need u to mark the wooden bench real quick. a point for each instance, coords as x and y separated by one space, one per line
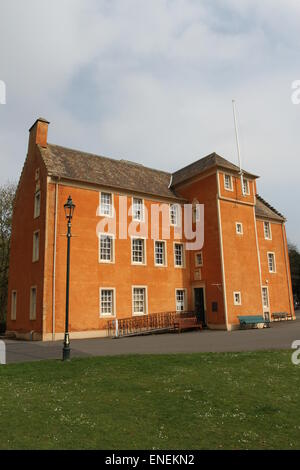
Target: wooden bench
186 324
279 316
253 320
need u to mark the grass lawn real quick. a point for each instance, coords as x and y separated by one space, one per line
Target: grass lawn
199 401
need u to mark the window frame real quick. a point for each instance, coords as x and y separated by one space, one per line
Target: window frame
247 181
231 182
139 314
13 306
177 222
142 219
36 213
184 290
235 302
197 265
236 228
36 256
111 214
112 236
33 314
274 262
183 255
108 315
165 264
270 231
138 263
267 307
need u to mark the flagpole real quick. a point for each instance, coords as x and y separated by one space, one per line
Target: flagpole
238 146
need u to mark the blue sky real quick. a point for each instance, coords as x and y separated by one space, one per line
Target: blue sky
153 82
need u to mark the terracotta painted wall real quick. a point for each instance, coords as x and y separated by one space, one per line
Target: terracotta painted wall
205 191
23 273
88 275
278 282
241 260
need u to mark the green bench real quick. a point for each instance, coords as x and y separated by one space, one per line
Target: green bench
252 320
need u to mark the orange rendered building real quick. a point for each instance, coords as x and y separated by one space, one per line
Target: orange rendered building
241 269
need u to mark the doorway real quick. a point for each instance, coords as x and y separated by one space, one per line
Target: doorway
199 305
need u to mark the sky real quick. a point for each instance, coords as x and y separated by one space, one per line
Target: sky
153 82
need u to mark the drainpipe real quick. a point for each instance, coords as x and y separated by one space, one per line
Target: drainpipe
54 261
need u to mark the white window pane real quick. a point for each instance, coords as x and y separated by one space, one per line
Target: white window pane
271 262
227 182
174 214
138 209
267 230
246 186
138 250
107 302
178 254
180 300
265 297
160 253
139 295
106 204
106 248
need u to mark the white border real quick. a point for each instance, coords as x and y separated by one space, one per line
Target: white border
110 216
106 315
231 182
146 301
135 263
236 228
234 301
183 255
143 203
112 261
165 252
269 223
196 264
184 289
271 253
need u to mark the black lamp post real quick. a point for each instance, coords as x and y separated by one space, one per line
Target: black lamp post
69 211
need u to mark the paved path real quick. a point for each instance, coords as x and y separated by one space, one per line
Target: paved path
279 336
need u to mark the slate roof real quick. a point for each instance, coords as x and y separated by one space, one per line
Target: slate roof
203 164
265 210
121 174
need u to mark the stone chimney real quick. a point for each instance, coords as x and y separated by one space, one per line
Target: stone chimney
38 132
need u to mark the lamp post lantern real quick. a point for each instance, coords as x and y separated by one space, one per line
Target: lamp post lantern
69 211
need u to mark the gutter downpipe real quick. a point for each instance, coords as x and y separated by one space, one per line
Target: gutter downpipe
54 261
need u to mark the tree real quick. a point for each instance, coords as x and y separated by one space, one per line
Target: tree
7 194
295 269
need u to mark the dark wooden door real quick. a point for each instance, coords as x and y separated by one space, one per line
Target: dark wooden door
199 305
